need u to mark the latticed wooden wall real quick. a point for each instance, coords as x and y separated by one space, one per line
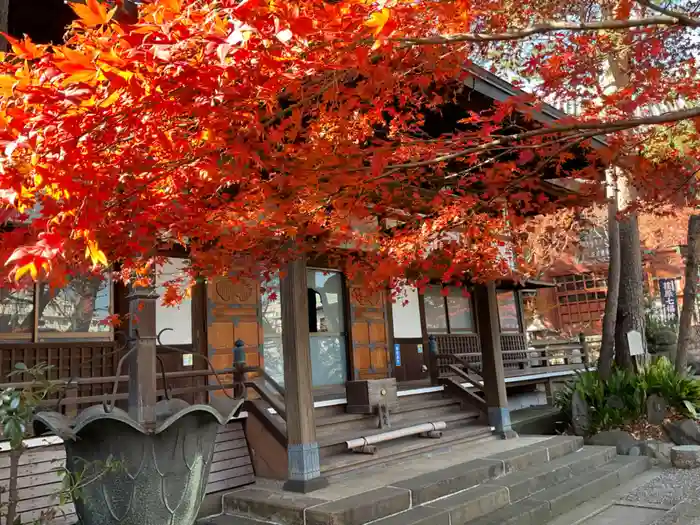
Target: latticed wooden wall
465 346
514 350
66 360
468 348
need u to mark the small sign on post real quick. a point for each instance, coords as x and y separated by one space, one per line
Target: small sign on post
634 340
397 354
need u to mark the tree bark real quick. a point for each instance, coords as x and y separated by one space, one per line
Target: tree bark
609 318
630 308
13 492
689 292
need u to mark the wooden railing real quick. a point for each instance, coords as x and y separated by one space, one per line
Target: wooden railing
519 357
461 371
561 352
66 395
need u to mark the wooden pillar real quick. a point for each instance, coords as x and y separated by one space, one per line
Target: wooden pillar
4 23
304 462
142 361
492 359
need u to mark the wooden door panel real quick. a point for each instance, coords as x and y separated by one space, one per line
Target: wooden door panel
369 335
233 313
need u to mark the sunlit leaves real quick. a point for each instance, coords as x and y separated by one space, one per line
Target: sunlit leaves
93 13
249 133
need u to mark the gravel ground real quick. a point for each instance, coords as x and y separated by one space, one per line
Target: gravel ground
677 489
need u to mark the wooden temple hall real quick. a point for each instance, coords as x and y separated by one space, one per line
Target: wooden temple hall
334 380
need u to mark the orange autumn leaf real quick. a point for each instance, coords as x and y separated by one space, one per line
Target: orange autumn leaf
173 5
378 20
93 13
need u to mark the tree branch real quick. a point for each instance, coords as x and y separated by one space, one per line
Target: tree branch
600 128
553 27
684 18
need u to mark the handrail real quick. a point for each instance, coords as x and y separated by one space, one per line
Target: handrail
468 366
279 388
269 399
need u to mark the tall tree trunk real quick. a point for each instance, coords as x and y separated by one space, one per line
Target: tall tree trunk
630 308
689 292
609 318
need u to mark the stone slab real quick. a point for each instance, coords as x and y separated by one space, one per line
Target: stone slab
433 485
626 467
561 445
360 508
522 458
538 453
472 503
230 519
522 484
417 516
685 456
623 514
281 507
523 513
567 495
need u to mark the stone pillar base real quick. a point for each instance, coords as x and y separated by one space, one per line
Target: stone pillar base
499 419
304 467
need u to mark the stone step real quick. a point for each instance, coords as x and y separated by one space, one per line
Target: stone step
455 491
523 484
232 519
543 506
434 485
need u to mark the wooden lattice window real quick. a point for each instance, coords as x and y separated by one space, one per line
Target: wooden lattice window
581 300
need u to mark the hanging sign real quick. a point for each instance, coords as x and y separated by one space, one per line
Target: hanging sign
669 299
397 354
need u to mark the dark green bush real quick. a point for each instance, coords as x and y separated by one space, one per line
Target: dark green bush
622 398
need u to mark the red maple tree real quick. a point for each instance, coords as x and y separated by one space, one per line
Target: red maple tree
254 131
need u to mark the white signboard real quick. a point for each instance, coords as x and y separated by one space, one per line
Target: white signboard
634 340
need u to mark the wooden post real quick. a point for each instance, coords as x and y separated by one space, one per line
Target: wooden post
492 359
4 23
142 362
304 461
434 363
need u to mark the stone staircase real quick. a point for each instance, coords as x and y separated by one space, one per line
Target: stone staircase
526 485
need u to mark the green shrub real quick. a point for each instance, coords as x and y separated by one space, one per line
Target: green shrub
622 398
681 391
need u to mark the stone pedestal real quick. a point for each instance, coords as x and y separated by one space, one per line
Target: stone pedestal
685 456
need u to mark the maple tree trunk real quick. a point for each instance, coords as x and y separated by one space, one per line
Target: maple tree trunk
690 289
607 346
